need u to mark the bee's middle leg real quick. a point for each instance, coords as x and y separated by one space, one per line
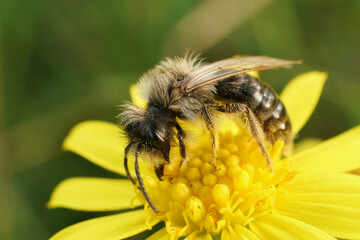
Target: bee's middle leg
211 129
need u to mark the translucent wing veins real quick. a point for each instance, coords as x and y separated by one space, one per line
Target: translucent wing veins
226 68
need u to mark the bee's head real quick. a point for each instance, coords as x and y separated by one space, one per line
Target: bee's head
151 127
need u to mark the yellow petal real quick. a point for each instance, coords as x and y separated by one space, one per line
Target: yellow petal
103 143
301 96
339 154
278 227
99 142
330 183
254 73
114 227
93 194
244 233
162 234
199 235
306 143
335 213
227 235
136 97
241 233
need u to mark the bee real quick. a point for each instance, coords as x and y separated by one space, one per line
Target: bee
187 88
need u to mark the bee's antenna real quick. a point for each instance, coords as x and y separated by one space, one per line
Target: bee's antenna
141 184
126 163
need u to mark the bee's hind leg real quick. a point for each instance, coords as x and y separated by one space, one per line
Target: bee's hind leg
211 129
254 126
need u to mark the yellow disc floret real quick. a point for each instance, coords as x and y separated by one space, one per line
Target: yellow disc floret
196 197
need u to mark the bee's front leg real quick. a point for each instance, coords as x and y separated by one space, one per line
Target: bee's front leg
182 148
126 167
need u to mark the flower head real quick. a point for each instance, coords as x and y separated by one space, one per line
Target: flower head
306 197
196 198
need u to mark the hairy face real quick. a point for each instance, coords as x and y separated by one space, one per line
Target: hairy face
152 128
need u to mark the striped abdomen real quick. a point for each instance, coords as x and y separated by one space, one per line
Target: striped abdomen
261 99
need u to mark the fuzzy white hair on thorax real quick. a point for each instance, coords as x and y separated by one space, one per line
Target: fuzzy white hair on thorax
161 85
155 83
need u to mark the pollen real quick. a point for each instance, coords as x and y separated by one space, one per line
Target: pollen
193 196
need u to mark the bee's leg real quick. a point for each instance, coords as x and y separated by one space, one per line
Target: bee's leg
210 127
141 184
159 170
258 134
126 163
180 137
255 128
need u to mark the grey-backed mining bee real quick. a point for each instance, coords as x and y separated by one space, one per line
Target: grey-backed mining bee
186 88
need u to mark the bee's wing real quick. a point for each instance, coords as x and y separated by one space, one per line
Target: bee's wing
229 67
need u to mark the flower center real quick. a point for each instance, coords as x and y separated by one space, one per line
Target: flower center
196 197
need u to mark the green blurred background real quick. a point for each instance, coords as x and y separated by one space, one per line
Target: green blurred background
62 62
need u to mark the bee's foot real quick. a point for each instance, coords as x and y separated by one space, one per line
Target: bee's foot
215 167
269 163
270 168
184 161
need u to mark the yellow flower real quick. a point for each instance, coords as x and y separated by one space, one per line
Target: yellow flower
308 196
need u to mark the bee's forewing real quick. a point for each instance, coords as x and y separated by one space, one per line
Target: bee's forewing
229 67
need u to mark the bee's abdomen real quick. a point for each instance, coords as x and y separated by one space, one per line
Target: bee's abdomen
241 89
268 105
261 99
278 125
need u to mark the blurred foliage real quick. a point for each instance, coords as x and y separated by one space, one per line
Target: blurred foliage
62 62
